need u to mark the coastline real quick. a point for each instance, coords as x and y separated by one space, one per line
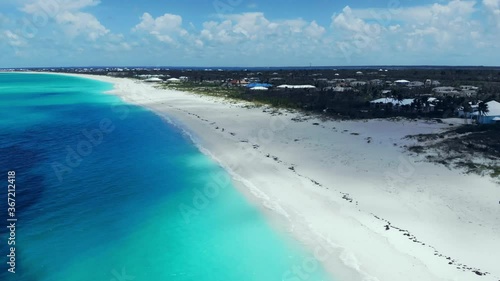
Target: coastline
337 185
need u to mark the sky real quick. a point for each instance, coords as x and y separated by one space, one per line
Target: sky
248 33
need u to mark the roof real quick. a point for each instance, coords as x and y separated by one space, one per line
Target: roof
443 89
154 79
401 81
258 88
253 85
296 87
493 108
393 101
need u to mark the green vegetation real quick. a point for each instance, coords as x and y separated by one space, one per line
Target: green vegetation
208 89
474 148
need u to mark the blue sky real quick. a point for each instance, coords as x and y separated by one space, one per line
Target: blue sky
248 32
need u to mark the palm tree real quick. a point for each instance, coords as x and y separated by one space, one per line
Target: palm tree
467 111
482 110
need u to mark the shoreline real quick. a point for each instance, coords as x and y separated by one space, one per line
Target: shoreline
328 187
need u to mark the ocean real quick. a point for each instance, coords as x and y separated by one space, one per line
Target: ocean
106 190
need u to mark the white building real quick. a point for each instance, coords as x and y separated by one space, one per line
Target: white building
416 84
153 80
173 80
445 90
296 87
402 82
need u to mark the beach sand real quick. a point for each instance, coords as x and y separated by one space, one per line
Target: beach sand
347 188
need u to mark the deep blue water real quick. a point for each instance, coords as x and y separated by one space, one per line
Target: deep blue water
106 190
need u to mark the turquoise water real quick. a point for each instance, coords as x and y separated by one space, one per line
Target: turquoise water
109 191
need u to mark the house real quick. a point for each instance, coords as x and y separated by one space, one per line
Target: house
490 117
259 88
396 103
416 84
242 82
402 82
321 79
339 89
470 113
116 74
445 90
296 87
173 80
153 80
468 93
260 85
468 88
358 83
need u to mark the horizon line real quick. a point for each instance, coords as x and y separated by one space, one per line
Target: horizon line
271 67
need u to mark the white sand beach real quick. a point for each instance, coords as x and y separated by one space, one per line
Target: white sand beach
348 187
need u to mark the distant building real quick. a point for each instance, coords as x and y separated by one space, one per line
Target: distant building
242 82
259 88
468 88
339 89
296 87
173 80
116 74
416 84
358 83
468 92
154 80
260 85
445 91
393 101
402 82
376 82
490 117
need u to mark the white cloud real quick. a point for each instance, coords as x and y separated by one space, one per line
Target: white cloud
68 15
78 23
362 36
13 39
241 28
418 14
53 7
438 28
493 9
350 22
167 28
